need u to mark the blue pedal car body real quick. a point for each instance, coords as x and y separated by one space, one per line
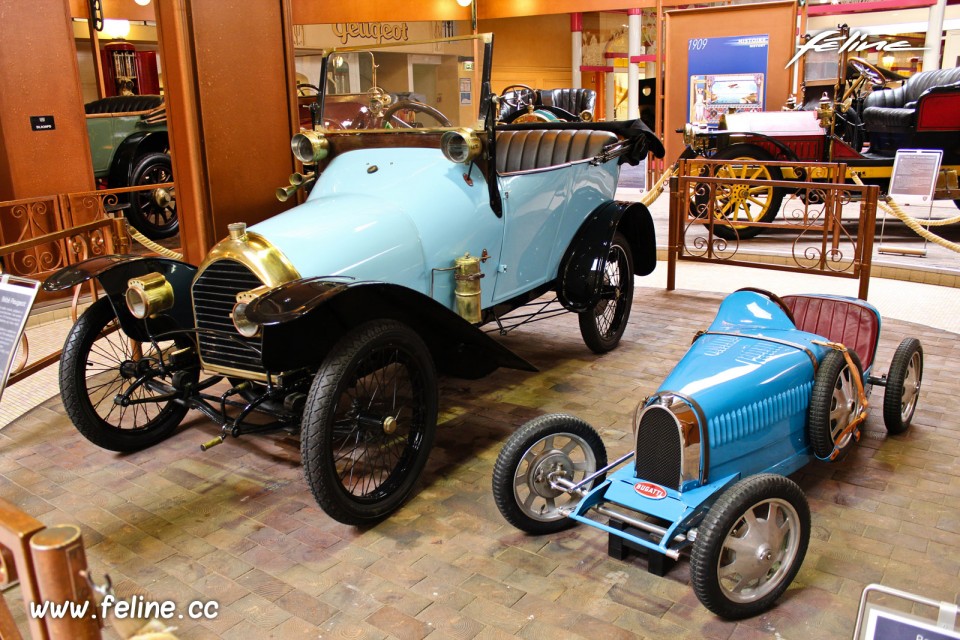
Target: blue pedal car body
771 385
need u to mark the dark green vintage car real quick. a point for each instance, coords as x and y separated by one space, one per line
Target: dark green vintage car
130 147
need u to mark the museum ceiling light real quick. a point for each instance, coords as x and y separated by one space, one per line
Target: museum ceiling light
464 3
142 3
117 29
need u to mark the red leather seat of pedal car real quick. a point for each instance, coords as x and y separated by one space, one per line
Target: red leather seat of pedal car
843 321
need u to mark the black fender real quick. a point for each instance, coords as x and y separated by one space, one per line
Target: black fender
113 272
133 147
303 320
581 269
777 149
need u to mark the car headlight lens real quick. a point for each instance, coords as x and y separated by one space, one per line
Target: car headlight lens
310 147
244 325
460 146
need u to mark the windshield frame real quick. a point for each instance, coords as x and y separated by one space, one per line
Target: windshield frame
482 91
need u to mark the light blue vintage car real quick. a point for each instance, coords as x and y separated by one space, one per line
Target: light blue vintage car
425 221
771 385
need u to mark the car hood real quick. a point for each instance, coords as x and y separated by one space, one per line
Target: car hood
352 235
751 362
386 214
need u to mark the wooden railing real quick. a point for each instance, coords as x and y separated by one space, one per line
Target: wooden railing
701 196
46 253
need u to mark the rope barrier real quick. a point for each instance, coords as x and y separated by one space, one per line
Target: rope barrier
650 196
153 246
917 226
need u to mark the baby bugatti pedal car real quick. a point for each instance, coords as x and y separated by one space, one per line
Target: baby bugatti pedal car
771 385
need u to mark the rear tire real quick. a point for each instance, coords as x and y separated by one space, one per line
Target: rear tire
833 404
602 326
903 386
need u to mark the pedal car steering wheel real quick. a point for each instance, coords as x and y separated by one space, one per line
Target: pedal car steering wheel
867 72
775 298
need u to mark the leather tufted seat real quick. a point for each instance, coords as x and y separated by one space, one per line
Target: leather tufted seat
896 109
852 324
123 104
540 148
573 100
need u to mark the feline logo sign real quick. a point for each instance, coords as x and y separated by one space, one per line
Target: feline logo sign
650 490
833 40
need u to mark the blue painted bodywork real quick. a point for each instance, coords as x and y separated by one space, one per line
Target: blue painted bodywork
750 375
415 212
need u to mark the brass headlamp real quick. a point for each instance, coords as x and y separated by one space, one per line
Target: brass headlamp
148 295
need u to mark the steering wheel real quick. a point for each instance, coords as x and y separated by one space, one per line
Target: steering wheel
520 96
867 72
302 86
775 298
389 114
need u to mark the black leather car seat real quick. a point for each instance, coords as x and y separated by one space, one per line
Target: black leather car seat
573 100
541 148
123 104
896 109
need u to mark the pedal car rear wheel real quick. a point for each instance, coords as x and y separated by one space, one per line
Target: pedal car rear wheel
834 402
369 422
99 363
903 386
750 546
552 444
603 326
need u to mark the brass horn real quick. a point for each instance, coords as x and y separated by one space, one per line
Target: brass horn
285 193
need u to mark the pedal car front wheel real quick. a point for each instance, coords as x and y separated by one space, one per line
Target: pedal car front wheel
903 386
554 445
750 546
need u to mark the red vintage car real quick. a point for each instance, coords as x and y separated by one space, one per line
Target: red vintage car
863 131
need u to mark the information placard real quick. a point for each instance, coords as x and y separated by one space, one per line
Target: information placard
889 625
16 300
915 175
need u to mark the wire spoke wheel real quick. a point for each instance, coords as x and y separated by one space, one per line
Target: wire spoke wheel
100 364
370 422
602 326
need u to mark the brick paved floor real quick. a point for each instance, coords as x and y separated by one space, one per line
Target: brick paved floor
237 524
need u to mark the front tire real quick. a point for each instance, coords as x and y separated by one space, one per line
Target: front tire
834 403
369 422
604 324
742 202
750 546
153 213
903 386
555 443
99 363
